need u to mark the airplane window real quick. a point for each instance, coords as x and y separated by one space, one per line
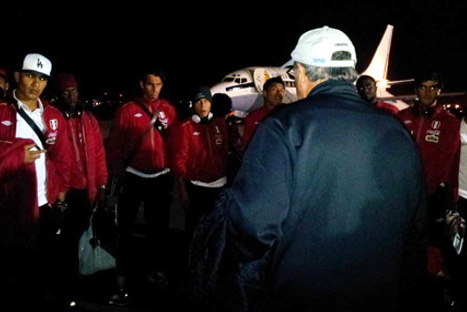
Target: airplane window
243 80
228 79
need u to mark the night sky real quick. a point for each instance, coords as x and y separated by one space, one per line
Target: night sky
105 47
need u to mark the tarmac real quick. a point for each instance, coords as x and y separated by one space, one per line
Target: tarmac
92 292
95 290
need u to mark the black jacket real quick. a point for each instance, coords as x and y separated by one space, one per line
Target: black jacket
334 189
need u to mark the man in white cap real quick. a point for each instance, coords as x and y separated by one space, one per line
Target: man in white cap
329 194
34 169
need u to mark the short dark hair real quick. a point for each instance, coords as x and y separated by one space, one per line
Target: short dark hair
154 70
363 78
272 80
221 104
426 76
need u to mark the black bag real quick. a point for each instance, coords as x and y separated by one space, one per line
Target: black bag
105 227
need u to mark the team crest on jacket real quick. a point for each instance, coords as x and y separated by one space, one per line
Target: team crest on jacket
436 124
53 123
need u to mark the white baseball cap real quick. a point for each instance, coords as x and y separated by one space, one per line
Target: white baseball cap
316 47
37 63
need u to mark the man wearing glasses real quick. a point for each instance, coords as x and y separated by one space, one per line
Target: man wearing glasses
436 132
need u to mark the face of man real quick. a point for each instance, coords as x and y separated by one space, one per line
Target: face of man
427 92
367 90
274 95
70 95
3 85
30 86
151 86
202 107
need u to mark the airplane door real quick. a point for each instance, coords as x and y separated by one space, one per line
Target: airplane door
260 75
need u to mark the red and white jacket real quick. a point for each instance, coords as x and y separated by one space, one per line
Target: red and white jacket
131 128
200 150
393 109
85 138
438 138
18 185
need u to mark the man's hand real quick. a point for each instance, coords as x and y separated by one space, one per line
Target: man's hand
32 153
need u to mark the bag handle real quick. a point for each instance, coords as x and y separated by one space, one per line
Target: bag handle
151 124
33 126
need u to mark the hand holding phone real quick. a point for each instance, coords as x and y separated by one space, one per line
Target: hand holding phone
31 153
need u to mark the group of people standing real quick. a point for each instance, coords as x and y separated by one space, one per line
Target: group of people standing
56 167
337 204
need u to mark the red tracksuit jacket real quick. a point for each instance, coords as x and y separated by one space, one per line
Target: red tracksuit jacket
130 125
438 139
19 211
200 150
92 147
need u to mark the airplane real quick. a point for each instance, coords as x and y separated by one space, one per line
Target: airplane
378 69
244 86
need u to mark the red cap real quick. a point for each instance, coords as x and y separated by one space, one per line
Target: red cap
65 81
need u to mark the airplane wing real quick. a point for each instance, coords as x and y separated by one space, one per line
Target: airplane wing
413 97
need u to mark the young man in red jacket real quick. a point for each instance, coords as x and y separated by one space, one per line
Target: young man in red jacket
366 87
137 153
273 93
437 134
34 174
200 158
88 175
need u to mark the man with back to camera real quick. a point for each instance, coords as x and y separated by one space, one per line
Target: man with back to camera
34 174
333 190
366 87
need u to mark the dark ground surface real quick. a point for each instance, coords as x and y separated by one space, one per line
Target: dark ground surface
95 290
92 292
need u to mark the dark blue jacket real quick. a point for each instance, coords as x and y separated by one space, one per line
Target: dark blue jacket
333 188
